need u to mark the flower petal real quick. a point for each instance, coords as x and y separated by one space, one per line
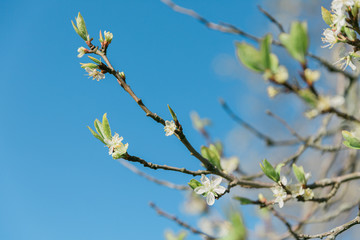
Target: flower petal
200 190
210 199
216 181
219 190
204 180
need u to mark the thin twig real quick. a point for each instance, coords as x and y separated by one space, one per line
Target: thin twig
271 18
151 178
269 141
180 222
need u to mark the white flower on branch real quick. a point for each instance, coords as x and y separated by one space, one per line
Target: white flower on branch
340 5
115 145
330 38
169 128
81 51
229 165
346 61
108 36
210 188
279 192
95 74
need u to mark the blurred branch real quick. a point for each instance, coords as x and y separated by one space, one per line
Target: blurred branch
271 18
151 178
268 140
331 234
181 223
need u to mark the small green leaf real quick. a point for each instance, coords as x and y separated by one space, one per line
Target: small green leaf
173 115
238 229
96 135
265 51
296 43
194 184
299 173
95 60
309 97
351 141
250 57
212 155
106 127
244 201
278 167
98 127
270 171
350 33
326 15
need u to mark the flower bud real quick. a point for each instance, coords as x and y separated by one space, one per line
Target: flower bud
108 36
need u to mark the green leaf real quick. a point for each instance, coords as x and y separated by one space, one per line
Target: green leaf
96 135
80 22
244 201
350 33
270 171
296 43
98 127
106 127
309 97
238 229
95 60
326 15
299 173
212 155
250 57
351 141
194 184
265 51
278 167
173 115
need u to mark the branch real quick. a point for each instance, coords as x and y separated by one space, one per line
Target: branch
164 167
152 179
331 234
268 140
181 223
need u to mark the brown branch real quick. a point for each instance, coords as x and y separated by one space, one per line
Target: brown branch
180 222
164 167
287 224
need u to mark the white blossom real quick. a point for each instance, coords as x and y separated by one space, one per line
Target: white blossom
281 75
341 4
330 38
169 128
211 188
308 194
346 61
215 227
108 36
279 192
229 164
115 145
81 51
95 74
325 103
272 92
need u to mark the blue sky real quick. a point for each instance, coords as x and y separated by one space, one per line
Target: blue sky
56 180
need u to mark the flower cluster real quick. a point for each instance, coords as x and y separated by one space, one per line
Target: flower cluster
282 190
116 148
341 29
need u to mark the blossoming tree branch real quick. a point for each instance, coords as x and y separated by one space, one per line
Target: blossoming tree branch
277 183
